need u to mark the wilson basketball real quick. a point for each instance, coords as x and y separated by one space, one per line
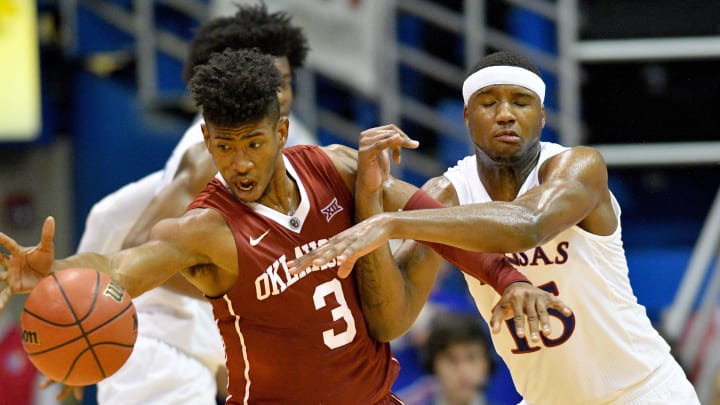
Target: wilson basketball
78 326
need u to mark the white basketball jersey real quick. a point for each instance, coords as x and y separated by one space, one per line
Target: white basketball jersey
607 346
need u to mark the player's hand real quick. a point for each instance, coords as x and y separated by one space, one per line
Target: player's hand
373 159
22 268
65 390
346 247
522 300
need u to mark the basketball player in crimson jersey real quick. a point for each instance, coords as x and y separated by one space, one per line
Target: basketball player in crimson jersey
285 335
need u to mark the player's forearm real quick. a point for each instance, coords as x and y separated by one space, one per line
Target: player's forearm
467 227
382 296
104 264
381 284
89 260
121 267
491 268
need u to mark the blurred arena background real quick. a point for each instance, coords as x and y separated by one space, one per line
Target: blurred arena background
92 99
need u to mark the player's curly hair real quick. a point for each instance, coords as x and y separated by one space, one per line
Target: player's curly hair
236 87
252 26
505 58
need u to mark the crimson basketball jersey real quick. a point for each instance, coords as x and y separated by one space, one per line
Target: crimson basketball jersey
296 339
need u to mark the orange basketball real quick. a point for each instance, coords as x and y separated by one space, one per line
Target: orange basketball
78 326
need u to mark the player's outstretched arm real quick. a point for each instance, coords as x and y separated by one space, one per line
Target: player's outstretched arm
519 300
573 185
24 267
173 247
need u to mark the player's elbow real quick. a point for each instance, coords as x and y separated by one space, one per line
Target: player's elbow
528 232
387 332
529 237
387 326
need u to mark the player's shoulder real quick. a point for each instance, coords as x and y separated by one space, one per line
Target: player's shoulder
198 224
343 157
337 151
579 163
442 189
579 157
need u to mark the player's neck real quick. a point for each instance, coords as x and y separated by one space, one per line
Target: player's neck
283 194
503 178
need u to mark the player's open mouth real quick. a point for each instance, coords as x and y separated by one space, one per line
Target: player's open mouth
245 185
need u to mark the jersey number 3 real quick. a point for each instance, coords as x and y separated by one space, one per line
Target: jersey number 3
342 311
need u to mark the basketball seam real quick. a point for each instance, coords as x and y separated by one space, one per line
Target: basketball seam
83 334
91 331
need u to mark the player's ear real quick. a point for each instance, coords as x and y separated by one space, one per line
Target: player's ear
465 117
283 127
206 135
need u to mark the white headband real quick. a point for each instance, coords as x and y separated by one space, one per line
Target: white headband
493 75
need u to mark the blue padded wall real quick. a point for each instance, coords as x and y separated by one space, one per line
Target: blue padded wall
116 142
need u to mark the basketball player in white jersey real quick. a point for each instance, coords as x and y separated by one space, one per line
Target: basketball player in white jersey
549 208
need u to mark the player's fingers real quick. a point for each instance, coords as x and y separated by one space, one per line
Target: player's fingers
369 139
519 317
498 316
78 393
9 244
532 319
397 154
345 267
48 233
400 140
293 267
317 257
327 254
389 138
300 264
374 130
544 319
557 304
5 294
46 383
64 393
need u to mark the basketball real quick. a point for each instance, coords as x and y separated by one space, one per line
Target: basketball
78 326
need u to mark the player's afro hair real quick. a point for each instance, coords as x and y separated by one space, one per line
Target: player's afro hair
505 58
252 26
236 87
